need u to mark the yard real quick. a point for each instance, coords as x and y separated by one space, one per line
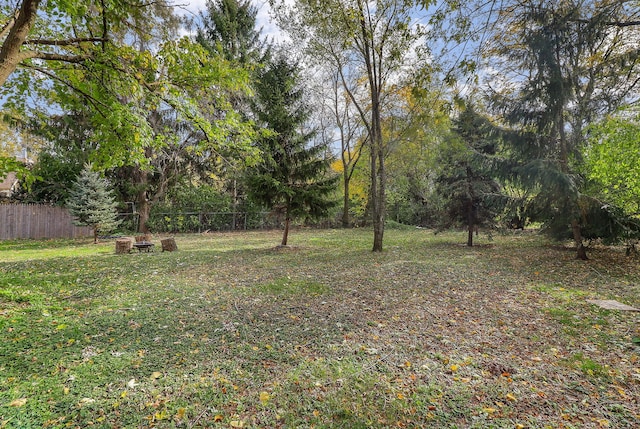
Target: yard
232 332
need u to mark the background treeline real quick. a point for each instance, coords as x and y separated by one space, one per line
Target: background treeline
475 115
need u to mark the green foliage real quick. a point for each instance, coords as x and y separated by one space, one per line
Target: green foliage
576 66
188 208
229 27
293 178
420 124
60 161
91 203
195 198
470 195
137 66
611 157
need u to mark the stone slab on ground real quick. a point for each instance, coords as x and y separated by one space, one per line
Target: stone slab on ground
611 304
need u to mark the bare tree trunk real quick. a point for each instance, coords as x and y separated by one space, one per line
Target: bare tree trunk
379 195
143 212
581 251
470 223
471 216
285 235
345 202
140 181
18 29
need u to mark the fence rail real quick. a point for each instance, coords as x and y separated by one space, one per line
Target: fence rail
199 221
38 221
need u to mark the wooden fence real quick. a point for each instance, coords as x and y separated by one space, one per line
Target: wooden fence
38 221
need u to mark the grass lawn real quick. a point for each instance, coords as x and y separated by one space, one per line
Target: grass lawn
232 332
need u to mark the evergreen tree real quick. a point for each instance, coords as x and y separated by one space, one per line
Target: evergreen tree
566 66
229 27
91 202
466 184
293 178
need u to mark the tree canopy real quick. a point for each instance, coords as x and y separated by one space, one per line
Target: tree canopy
156 105
293 177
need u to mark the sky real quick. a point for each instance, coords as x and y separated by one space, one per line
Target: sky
263 19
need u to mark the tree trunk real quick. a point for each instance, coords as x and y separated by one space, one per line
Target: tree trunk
471 217
123 245
375 79
95 235
377 177
581 251
143 213
285 234
141 183
18 30
345 201
379 204
169 244
470 223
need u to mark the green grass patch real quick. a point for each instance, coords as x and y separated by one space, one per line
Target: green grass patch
587 365
231 331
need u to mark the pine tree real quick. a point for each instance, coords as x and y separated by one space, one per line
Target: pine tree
293 178
229 26
566 65
466 184
91 202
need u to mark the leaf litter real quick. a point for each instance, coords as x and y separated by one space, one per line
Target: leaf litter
231 332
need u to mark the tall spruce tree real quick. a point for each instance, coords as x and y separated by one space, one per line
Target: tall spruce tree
91 202
567 65
229 27
293 178
466 185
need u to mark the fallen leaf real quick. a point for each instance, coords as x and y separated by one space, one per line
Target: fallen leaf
510 397
18 402
218 418
264 397
132 383
180 413
155 375
236 423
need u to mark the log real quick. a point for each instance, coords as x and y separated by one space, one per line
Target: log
143 238
169 244
124 245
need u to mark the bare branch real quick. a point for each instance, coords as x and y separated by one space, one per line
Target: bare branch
9 53
9 25
97 104
65 42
